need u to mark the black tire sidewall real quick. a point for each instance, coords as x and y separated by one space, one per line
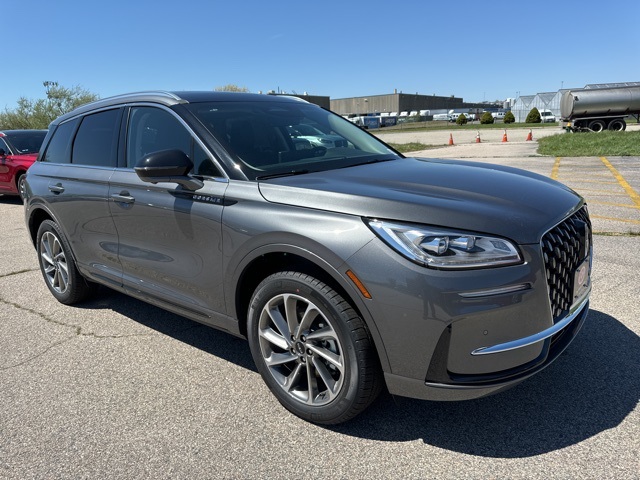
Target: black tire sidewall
311 289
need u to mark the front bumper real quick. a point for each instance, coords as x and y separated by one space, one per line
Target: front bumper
553 345
455 335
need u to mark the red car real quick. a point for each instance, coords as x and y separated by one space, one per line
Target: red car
18 150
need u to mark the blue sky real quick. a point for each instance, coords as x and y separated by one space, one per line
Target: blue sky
477 50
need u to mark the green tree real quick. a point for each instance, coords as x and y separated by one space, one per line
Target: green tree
486 118
534 116
40 113
230 87
509 117
462 119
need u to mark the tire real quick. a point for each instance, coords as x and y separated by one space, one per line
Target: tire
597 125
617 125
58 267
21 186
313 351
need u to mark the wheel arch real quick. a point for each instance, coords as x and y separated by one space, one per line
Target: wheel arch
276 258
35 219
18 173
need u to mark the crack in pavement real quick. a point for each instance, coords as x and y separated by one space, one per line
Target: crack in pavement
77 330
18 272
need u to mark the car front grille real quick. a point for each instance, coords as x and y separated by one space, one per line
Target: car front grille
564 247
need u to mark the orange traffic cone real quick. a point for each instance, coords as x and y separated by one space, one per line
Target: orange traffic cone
478 137
530 136
451 139
504 137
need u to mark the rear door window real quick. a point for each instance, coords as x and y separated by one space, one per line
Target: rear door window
96 140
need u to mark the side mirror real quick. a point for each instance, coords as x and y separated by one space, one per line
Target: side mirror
2 152
168 166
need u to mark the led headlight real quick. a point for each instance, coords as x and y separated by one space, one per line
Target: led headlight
446 249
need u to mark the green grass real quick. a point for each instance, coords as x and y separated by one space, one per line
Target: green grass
591 144
411 147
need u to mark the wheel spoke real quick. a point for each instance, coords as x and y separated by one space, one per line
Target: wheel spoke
63 277
326 377
280 359
274 338
325 333
279 322
312 384
329 356
46 255
290 305
310 314
293 380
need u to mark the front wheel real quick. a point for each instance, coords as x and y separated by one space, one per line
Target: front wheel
58 267
21 186
313 351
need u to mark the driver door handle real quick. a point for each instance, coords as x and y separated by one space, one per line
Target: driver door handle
123 197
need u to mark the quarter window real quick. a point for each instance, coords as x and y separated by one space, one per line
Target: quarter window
59 150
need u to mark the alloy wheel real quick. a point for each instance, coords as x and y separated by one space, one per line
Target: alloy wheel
54 262
301 349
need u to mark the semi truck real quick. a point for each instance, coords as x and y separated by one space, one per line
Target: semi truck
598 109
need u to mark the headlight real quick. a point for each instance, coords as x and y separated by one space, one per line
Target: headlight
444 248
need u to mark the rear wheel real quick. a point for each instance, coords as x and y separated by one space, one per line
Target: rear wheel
597 125
617 125
58 267
312 349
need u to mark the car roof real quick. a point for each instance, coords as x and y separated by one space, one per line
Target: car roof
170 99
8 133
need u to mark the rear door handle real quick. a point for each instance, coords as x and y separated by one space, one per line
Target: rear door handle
57 188
123 197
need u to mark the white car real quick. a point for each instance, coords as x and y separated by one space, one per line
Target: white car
315 136
547 116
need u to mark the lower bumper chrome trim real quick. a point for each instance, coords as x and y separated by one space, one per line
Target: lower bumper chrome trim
538 337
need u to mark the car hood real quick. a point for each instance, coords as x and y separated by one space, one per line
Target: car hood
472 196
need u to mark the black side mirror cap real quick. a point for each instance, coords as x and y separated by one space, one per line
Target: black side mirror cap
167 166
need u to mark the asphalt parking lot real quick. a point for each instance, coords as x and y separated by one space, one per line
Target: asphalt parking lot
115 388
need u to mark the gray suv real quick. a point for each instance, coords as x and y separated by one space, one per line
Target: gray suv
349 269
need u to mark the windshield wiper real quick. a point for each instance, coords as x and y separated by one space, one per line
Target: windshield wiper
368 162
283 174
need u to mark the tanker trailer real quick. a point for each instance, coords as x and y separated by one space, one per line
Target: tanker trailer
598 109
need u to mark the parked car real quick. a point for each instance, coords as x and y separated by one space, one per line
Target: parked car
547 116
348 269
316 136
18 151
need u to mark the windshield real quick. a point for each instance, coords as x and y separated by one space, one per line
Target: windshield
271 138
26 142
